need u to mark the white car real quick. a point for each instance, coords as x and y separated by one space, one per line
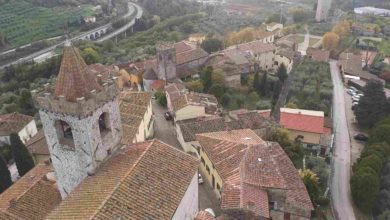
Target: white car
211 211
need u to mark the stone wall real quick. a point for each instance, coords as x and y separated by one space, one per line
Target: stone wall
90 149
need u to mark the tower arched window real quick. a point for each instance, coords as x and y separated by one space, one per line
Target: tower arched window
104 125
64 134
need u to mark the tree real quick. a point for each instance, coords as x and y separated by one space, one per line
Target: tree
23 159
310 180
218 90
364 188
276 18
282 73
372 107
91 56
195 85
218 77
385 215
264 84
256 82
299 14
381 132
373 161
5 175
206 78
281 135
342 28
25 103
212 45
330 40
161 98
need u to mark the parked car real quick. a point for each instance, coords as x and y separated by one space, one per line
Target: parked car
361 137
168 116
350 92
355 99
353 88
200 178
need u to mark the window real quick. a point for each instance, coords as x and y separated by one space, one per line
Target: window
203 162
64 134
218 187
104 124
287 216
208 169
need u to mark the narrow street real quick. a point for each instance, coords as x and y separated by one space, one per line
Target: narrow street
341 167
165 131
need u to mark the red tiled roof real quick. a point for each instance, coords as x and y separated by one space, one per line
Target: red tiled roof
184 46
142 181
249 167
300 122
203 215
32 197
73 81
13 123
37 144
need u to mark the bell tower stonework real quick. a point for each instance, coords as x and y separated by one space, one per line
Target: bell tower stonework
166 61
81 120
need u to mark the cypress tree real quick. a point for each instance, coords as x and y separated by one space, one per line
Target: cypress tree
23 159
263 84
5 175
372 106
256 82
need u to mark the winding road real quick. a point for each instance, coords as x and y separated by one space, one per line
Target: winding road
132 7
341 167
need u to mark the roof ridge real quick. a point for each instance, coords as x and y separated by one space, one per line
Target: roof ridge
121 180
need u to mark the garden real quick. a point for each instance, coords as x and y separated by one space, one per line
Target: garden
23 22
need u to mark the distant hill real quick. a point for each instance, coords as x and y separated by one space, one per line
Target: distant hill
347 4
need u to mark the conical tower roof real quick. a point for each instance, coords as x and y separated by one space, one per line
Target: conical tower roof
73 80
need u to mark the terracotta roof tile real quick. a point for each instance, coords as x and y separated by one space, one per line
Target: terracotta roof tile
73 81
31 197
318 55
133 107
13 123
203 215
248 167
142 181
190 55
37 144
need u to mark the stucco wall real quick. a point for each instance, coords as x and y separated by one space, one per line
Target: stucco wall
309 138
213 172
72 166
189 112
285 60
28 131
188 206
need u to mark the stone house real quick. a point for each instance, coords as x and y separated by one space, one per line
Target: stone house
276 28
187 105
239 60
23 125
238 164
186 130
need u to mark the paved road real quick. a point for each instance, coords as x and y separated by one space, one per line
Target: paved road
302 47
340 190
139 12
163 129
30 57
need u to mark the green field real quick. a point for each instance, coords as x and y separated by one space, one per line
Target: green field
23 22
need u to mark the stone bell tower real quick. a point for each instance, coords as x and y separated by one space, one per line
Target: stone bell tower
166 60
81 120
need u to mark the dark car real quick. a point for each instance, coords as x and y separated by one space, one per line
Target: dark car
361 137
168 116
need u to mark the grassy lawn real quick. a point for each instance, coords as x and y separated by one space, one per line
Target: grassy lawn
313 41
384 47
23 22
299 39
